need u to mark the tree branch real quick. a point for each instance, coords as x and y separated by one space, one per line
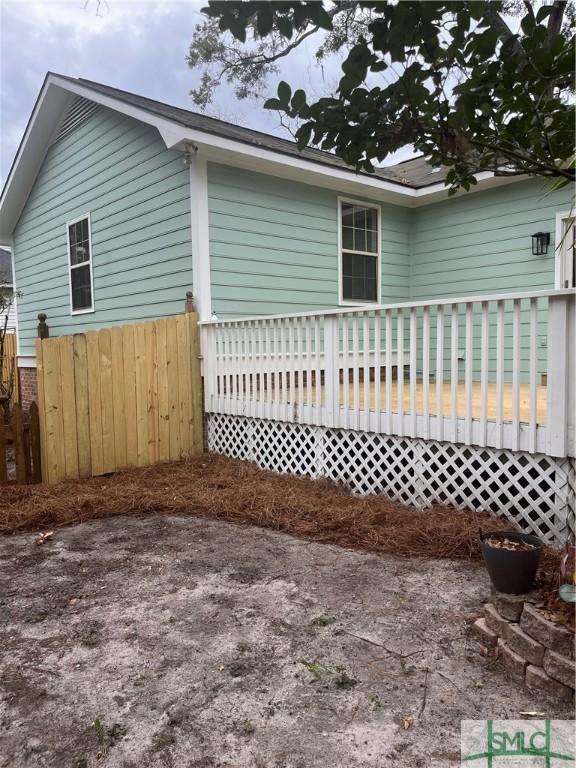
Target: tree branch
555 18
274 57
567 173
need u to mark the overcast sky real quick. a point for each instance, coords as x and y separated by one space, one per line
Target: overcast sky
137 45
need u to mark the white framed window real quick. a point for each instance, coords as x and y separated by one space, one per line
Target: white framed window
80 265
359 238
565 250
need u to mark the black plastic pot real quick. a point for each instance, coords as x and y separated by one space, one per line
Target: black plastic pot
511 571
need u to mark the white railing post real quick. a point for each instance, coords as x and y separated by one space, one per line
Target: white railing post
560 337
331 371
571 365
208 352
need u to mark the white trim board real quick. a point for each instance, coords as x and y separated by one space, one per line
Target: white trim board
199 236
26 361
57 92
559 265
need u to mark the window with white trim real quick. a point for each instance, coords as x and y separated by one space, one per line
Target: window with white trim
80 265
360 252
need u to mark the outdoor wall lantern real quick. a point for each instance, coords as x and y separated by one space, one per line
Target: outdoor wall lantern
540 243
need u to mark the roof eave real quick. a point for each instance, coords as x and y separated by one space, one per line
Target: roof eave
50 107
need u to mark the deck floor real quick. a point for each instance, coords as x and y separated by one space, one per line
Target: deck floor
507 405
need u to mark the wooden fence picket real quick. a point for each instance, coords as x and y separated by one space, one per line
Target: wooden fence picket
17 424
69 425
120 437
119 397
3 458
81 403
9 369
35 453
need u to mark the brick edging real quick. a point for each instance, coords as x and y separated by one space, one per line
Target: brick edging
532 648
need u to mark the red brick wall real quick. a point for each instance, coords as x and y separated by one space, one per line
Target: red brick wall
28 388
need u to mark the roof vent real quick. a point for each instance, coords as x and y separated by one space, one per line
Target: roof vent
78 111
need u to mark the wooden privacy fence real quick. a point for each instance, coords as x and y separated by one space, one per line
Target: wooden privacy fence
120 397
20 446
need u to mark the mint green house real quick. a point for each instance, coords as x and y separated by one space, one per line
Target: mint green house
117 205
363 327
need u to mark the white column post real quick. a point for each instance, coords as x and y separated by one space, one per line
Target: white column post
200 237
571 368
560 336
200 241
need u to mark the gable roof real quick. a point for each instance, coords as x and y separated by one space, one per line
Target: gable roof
411 183
415 173
6 266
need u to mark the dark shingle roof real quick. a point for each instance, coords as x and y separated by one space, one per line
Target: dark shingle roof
5 266
415 173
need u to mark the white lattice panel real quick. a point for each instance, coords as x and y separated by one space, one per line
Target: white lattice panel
534 491
371 463
572 497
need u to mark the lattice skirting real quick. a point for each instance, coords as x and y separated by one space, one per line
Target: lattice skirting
535 492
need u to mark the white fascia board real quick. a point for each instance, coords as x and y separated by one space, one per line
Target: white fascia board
45 119
436 193
57 91
230 152
116 104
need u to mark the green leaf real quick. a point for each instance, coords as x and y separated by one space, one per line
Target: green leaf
264 21
303 135
501 81
298 100
284 93
348 83
543 13
238 30
284 26
323 18
527 24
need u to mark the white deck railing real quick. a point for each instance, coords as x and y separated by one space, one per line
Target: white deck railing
495 370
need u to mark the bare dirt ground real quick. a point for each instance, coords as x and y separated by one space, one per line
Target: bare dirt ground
194 643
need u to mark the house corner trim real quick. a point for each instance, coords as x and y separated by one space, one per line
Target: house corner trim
200 236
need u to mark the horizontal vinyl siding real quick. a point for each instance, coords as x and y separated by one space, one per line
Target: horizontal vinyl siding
274 245
482 244
137 194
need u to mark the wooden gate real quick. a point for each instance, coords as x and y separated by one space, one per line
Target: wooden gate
9 381
120 397
20 446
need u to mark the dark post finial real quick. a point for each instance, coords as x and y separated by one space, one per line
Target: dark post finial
189 306
43 330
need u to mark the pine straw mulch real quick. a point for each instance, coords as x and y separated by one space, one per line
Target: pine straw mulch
238 492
